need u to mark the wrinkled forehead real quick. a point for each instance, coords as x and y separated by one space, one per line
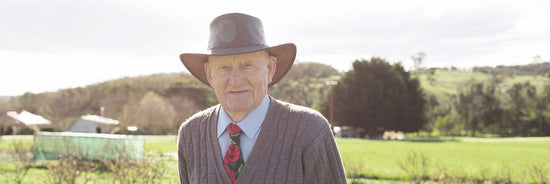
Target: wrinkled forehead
252 56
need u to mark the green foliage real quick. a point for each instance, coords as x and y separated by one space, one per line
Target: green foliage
376 95
478 107
516 111
29 130
506 105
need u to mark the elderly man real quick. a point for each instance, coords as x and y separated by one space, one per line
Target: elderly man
251 137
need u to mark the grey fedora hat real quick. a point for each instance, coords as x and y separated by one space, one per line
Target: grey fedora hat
237 33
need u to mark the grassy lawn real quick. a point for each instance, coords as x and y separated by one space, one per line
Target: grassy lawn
162 143
374 161
498 159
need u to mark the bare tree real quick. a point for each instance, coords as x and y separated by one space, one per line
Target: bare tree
152 114
417 60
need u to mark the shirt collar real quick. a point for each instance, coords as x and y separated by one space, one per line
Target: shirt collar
250 124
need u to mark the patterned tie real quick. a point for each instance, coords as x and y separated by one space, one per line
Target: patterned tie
233 161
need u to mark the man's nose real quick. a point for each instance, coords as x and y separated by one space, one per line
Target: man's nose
237 77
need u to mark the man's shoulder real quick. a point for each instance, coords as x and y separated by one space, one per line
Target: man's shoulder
310 125
305 114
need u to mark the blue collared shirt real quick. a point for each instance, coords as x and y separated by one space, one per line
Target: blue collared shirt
250 124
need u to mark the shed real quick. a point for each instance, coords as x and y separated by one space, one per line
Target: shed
345 131
27 119
22 118
94 124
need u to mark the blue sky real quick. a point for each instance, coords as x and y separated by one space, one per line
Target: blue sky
55 44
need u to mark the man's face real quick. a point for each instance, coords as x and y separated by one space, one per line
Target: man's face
240 81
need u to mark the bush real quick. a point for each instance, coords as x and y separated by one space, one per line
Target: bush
416 165
20 153
29 130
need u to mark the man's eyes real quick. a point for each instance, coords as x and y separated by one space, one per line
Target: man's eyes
228 67
224 67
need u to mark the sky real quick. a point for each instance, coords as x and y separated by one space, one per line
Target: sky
56 44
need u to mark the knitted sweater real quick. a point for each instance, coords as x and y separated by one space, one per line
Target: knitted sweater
295 145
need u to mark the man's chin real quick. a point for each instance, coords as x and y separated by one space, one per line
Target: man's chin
239 106
234 108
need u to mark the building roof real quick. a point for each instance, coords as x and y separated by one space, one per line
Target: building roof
99 119
28 118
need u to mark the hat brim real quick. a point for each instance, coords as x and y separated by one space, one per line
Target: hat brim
285 53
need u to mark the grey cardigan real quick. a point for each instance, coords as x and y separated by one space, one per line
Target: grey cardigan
295 145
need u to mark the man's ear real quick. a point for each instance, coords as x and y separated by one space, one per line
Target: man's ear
271 66
208 73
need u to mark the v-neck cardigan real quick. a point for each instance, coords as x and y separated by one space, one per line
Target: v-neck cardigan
295 145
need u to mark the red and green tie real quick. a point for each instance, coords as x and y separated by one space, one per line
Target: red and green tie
233 161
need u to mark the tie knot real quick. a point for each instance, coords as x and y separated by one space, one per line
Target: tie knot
232 128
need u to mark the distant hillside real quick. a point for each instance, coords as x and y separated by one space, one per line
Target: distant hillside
5 98
159 103
530 69
445 83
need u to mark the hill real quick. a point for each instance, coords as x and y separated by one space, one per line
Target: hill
160 102
443 83
157 103
542 68
5 98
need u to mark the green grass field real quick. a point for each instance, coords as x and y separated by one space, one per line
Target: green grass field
377 161
493 158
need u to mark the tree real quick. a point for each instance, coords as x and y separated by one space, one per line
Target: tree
522 118
478 107
415 103
152 114
417 60
376 96
543 111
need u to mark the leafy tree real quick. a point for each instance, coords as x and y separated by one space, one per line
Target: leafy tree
543 111
522 119
376 96
478 107
415 103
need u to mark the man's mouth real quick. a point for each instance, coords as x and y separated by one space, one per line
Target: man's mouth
238 92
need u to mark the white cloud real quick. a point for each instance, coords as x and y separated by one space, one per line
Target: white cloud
55 44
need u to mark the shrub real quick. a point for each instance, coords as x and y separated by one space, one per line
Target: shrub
20 153
415 165
29 130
